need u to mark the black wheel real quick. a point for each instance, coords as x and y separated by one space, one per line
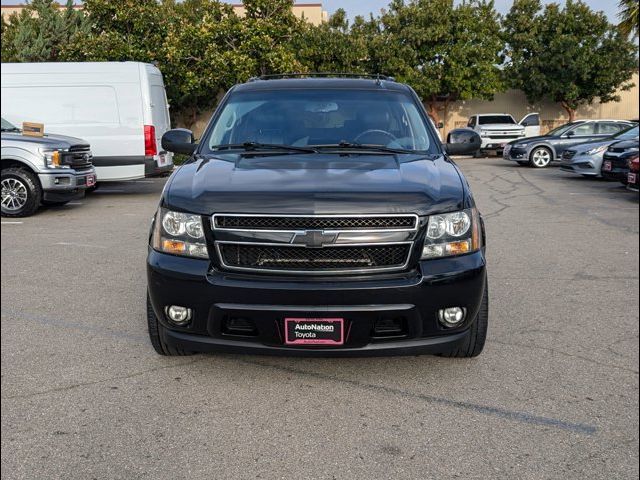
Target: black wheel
523 163
21 192
540 157
155 330
473 345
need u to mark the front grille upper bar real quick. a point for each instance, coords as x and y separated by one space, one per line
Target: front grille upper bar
413 228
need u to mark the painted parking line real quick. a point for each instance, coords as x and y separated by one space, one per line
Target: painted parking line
11 223
101 190
74 203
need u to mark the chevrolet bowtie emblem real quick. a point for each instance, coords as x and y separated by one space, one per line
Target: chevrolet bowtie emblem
314 238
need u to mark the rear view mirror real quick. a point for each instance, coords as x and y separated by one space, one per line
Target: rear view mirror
179 140
462 141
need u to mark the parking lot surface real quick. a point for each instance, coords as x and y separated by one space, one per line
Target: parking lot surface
554 395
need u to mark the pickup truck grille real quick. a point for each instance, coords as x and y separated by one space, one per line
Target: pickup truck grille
330 259
314 244
78 157
238 222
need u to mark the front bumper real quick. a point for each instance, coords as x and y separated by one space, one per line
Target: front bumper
582 165
515 154
65 184
413 297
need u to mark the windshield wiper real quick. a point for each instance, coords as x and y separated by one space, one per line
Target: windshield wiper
363 146
12 129
257 146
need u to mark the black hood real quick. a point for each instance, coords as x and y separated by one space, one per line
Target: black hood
49 140
316 184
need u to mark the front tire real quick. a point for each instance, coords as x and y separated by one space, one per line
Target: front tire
540 157
474 342
21 192
155 335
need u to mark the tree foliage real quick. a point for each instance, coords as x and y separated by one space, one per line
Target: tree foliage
446 52
38 32
569 55
629 17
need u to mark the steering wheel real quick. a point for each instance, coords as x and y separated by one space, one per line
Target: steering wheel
374 131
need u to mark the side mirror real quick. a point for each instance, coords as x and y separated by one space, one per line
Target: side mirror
570 133
462 141
440 124
179 140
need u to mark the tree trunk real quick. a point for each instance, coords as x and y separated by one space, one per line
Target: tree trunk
570 110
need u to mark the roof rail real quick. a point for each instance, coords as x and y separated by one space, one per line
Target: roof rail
374 76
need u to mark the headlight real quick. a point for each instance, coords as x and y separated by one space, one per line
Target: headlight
595 150
450 234
179 233
52 157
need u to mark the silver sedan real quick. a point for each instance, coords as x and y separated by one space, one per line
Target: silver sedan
586 158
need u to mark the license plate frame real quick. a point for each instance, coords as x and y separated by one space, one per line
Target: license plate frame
606 166
91 180
631 178
314 331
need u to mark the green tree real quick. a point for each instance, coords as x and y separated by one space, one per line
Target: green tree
629 16
446 52
569 55
332 46
39 32
120 31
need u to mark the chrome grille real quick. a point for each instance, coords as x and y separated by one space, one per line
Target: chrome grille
328 222
314 244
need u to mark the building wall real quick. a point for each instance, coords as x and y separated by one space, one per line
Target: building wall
551 114
312 12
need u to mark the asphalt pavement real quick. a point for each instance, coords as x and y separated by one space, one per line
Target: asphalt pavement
554 395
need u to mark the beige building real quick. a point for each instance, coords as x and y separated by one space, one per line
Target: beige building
312 12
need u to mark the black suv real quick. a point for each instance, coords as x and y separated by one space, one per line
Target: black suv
318 216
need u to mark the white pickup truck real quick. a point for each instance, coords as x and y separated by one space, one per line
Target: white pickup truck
498 129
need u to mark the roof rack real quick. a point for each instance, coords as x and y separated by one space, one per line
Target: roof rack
374 76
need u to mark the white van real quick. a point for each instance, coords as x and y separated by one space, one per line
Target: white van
119 108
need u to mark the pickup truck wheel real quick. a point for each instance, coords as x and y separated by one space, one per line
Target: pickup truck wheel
155 330
540 157
473 345
21 192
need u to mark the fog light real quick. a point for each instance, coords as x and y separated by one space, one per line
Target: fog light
178 315
452 316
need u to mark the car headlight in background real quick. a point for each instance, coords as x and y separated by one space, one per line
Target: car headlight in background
450 234
179 233
596 150
52 157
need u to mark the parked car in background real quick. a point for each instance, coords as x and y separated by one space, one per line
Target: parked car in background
615 163
498 129
120 108
586 158
540 151
47 170
634 174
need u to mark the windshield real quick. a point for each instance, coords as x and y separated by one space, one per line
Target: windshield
312 118
556 132
489 119
8 126
628 134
